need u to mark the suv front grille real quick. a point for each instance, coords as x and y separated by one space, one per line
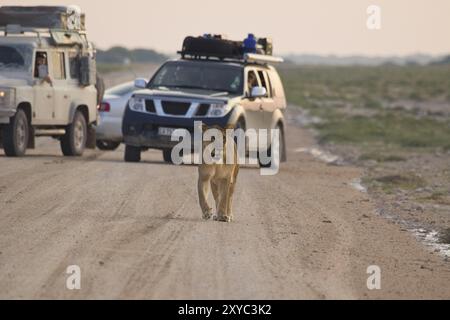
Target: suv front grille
202 110
175 108
150 106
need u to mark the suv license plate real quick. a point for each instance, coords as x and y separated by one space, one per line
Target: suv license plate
168 132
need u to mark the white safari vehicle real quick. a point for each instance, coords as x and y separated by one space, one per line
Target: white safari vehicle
47 79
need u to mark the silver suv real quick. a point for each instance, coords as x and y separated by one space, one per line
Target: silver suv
218 84
47 79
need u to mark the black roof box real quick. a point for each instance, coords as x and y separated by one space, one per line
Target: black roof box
212 46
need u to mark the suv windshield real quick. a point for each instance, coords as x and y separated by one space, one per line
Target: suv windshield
15 57
199 75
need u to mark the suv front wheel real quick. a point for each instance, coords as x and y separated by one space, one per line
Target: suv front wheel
16 134
74 141
132 154
282 150
167 155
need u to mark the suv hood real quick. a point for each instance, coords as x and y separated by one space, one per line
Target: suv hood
188 94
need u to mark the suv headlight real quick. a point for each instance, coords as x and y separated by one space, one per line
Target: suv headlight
7 97
137 104
217 110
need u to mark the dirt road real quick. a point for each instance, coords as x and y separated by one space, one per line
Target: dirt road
135 230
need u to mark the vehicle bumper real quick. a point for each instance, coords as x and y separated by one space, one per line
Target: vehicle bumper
141 129
109 128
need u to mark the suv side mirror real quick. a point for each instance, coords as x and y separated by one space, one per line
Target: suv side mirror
258 92
140 83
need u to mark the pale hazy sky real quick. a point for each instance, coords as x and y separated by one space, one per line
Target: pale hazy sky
296 26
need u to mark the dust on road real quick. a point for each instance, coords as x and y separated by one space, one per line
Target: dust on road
136 231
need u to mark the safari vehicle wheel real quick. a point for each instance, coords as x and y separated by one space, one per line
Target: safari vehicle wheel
15 135
283 155
74 141
132 154
107 145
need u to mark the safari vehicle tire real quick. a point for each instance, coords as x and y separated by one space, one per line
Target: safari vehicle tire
73 142
107 145
15 135
283 155
132 154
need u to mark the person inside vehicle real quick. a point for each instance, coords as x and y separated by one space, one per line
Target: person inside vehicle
41 69
252 81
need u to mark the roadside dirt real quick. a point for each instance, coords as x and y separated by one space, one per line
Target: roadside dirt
136 231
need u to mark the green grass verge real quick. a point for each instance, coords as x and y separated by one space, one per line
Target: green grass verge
389 129
390 183
326 90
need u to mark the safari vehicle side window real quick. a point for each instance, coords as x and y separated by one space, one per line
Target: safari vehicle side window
41 64
74 63
277 86
59 67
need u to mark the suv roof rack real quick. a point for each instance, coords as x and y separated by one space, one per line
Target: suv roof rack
261 58
216 48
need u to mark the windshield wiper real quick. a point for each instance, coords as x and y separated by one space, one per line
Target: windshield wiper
189 87
205 88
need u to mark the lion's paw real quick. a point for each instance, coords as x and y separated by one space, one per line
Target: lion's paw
221 218
207 215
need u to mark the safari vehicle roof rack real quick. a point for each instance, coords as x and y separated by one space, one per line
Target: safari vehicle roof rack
216 47
60 37
64 24
43 17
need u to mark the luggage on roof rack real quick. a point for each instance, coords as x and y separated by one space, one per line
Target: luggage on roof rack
48 17
266 46
215 46
212 46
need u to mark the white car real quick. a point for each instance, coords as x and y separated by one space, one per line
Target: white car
109 130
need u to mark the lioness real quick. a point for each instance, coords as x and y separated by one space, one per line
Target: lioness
221 178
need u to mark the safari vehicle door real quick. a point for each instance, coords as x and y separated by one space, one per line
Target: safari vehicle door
61 86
